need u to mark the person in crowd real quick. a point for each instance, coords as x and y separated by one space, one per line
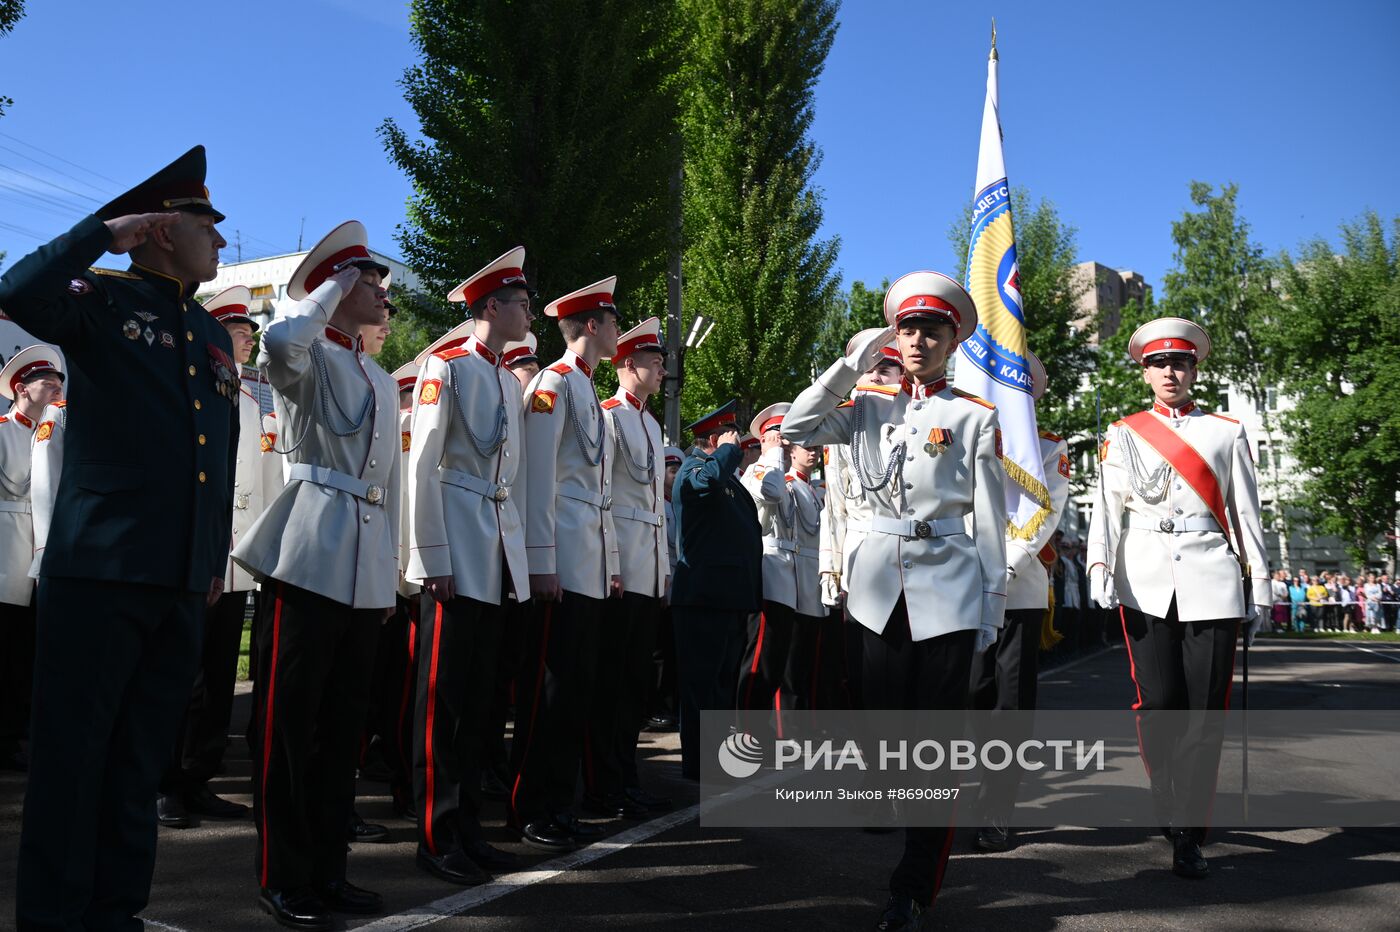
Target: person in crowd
1278 587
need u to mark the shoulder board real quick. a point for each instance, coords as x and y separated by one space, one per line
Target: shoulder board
4 419
1053 438
455 353
1118 423
61 404
847 404
610 404
890 390
114 273
1223 417
562 368
971 397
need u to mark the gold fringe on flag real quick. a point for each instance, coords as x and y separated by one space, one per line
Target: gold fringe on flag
1049 637
1037 491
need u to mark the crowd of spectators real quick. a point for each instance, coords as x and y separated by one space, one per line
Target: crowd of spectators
1334 601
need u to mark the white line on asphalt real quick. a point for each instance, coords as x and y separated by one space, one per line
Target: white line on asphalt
1388 655
161 925
459 903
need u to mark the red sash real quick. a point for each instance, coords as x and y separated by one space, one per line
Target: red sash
1183 458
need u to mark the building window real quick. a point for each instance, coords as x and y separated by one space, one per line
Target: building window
1271 399
1263 454
261 291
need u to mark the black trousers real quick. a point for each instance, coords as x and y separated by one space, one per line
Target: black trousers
203 735
827 681
389 718
16 673
765 685
931 674
316 656
457 646
112 676
662 698
1004 679
555 692
1179 666
709 647
620 693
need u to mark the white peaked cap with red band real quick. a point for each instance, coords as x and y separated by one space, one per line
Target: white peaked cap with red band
1169 335
644 336
769 418
597 296
518 351
888 353
230 306
504 270
674 455
31 360
347 244
454 337
406 375
931 296
1038 376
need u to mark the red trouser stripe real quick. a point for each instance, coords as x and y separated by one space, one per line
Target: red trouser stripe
1132 671
757 653
534 707
778 708
941 867
429 716
267 726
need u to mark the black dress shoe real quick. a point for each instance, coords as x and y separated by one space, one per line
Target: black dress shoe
995 837
171 812
342 896
204 802
661 723
582 831
901 912
360 830
649 800
454 867
1186 857
296 909
615 807
548 835
493 787
492 859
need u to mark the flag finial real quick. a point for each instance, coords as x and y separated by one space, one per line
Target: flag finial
994 39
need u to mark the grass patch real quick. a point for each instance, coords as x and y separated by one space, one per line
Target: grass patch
1330 636
243 649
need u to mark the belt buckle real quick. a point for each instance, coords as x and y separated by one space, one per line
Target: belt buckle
501 494
374 494
241 501
922 530
1166 525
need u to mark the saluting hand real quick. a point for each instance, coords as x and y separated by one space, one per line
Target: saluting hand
346 278
134 229
729 436
770 439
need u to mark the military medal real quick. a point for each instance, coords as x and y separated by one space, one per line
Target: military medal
147 316
939 439
131 330
150 336
167 339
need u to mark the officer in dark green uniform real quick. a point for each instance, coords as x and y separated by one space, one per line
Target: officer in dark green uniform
717 583
139 539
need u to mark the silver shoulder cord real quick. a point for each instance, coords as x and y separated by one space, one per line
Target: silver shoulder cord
1149 487
894 469
586 446
489 446
323 390
642 473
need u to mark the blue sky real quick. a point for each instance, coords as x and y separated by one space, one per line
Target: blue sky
1108 109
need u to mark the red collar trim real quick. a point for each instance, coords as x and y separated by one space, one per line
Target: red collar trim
341 338
632 399
798 474
926 389
24 420
1173 412
483 351
577 362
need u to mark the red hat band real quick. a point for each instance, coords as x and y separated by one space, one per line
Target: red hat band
231 311
520 352
635 345
40 365
1169 345
327 267
407 382
892 354
771 423
599 300
489 283
929 304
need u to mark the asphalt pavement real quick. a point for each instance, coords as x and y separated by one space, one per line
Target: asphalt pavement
673 873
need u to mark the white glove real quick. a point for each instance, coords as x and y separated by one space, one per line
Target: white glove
986 637
1101 590
866 352
1252 625
831 590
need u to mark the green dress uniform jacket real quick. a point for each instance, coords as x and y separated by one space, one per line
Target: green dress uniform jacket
720 559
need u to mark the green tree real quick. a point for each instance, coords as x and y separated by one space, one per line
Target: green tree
1341 312
547 125
1046 249
1222 280
11 12
753 263
846 315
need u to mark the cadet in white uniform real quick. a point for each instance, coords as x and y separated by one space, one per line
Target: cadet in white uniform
927 578
1004 678
257 477
1176 538
467 551
31 379
572 552
326 554
774 669
627 638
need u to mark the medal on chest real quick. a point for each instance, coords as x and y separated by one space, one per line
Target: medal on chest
939 439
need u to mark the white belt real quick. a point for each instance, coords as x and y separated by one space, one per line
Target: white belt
320 475
637 514
465 480
16 508
911 528
586 496
1172 525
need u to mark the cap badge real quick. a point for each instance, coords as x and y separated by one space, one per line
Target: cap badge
922 302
